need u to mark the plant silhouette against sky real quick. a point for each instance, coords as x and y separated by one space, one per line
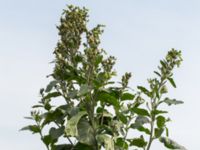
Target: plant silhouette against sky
82 108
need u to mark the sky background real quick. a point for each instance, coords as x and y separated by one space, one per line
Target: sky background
138 32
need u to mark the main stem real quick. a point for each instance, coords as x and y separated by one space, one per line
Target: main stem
151 135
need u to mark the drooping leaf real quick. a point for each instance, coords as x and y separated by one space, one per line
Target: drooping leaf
171 144
71 126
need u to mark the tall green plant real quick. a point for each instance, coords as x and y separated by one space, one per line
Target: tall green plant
83 109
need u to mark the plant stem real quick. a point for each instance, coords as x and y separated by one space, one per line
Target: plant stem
151 135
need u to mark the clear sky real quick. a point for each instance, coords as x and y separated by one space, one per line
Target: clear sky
138 32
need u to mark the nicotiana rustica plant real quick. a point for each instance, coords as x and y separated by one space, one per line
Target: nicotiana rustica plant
83 109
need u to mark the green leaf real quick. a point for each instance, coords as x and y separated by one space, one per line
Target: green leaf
157 112
37 106
85 133
157 73
160 121
158 132
143 129
120 142
71 126
163 63
84 89
108 141
106 97
139 142
52 95
172 101
171 80
140 111
50 86
47 139
171 144
33 128
127 96
122 118
56 133
144 90
80 146
139 122
62 147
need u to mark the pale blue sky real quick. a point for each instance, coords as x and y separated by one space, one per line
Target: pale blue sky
138 32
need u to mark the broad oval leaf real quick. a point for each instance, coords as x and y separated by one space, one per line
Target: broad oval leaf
160 121
85 133
71 126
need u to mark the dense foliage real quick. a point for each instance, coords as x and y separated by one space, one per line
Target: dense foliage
83 109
